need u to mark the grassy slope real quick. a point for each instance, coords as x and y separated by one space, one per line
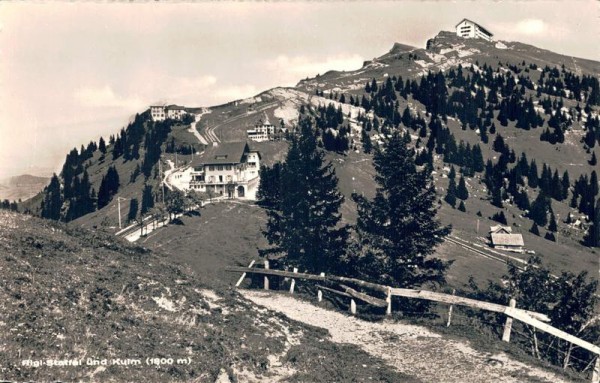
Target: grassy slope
68 293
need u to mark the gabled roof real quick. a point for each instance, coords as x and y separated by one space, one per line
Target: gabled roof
499 229
507 239
479 25
223 153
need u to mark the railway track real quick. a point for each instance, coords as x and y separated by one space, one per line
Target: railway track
493 256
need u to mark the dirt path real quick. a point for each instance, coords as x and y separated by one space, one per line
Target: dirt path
410 349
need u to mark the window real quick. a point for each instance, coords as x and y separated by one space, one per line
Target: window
228 167
251 164
212 168
220 178
220 167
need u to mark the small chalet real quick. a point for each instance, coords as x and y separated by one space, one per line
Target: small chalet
470 29
227 169
503 238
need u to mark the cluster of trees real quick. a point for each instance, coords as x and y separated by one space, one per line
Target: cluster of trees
156 134
127 143
563 83
173 147
455 192
108 187
395 233
8 205
569 301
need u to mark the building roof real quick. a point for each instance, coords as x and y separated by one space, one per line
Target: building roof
223 153
499 229
175 107
507 239
479 25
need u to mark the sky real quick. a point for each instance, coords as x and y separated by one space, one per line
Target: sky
71 72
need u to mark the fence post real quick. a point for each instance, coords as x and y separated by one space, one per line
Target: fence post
450 310
388 299
266 278
508 324
319 292
239 282
352 306
293 284
596 373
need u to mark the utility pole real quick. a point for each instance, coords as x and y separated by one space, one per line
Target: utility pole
119 208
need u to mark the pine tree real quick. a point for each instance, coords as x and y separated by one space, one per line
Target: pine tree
452 173
366 142
539 209
552 226
565 184
133 210
477 158
500 217
532 177
52 203
462 207
592 237
102 145
397 230
450 197
304 223
461 191
147 199
534 229
593 161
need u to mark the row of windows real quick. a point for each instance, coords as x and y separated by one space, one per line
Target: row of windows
212 168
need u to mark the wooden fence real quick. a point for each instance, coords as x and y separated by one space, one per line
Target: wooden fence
531 318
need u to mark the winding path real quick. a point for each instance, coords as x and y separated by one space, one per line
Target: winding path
413 350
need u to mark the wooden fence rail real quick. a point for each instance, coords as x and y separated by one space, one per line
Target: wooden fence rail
529 317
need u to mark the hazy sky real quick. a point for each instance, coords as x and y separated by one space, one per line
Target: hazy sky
70 72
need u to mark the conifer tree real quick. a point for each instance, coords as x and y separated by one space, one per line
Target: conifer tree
452 173
592 237
52 203
565 184
539 209
147 199
532 177
398 230
102 145
366 142
461 191
304 223
133 210
462 207
552 226
450 197
593 161
534 229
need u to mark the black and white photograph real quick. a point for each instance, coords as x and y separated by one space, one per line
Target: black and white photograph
300 191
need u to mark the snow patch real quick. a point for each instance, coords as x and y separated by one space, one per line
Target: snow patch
500 45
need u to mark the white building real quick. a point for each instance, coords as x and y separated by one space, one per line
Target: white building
227 169
503 238
162 112
469 29
262 131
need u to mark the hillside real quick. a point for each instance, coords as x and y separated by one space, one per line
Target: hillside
74 296
21 187
537 76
